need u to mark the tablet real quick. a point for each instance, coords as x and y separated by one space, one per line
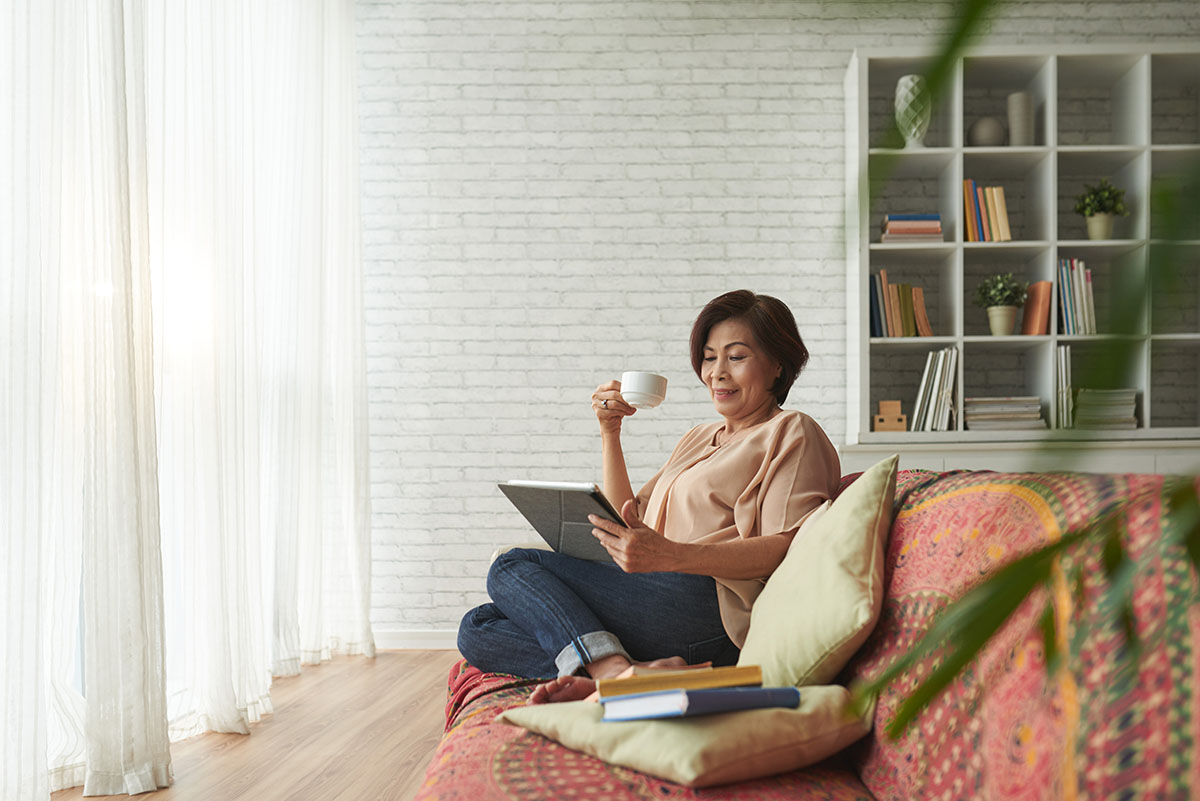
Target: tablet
559 511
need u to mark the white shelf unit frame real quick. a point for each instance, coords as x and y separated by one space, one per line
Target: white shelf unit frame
1128 113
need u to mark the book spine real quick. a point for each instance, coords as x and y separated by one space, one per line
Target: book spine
981 210
923 327
885 299
894 302
909 217
1002 210
1029 315
906 310
968 214
1091 300
989 195
975 211
917 421
873 309
708 702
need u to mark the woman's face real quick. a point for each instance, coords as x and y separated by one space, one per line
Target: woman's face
737 372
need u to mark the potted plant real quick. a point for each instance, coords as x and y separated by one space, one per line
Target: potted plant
1098 204
1001 295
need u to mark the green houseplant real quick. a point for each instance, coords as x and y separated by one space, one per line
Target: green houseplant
1000 294
1099 204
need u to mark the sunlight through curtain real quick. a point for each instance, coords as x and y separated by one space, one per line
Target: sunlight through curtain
183 456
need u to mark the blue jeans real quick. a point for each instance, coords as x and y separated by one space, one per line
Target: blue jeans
552 614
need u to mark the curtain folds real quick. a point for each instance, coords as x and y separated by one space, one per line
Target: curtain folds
183 456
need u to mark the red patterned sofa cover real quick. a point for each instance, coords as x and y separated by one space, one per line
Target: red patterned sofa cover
1003 730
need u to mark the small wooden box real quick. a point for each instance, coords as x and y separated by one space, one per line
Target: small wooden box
890 418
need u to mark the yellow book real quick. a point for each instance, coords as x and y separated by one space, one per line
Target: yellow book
688 679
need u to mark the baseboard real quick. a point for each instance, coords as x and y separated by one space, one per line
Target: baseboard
422 640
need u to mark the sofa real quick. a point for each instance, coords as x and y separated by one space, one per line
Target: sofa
1103 726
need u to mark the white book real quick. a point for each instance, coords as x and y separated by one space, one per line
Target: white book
1091 300
935 378
922 395
948 390
1077 266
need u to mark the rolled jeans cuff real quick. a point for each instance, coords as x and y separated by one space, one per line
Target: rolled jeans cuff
587 648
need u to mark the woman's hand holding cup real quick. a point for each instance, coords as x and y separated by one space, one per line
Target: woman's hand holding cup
610 407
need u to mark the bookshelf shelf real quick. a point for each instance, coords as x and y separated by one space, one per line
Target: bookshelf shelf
1127 113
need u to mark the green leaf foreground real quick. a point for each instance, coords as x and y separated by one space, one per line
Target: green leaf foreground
966 625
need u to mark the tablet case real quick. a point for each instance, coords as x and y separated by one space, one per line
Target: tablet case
560 516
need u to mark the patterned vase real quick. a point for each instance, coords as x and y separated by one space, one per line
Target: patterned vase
912 109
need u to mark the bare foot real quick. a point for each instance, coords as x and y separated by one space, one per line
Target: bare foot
564 688
670 663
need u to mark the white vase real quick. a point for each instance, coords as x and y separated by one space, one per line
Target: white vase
1002 320
1020 119
1100 226
913 109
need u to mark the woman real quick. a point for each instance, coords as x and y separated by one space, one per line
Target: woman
703 534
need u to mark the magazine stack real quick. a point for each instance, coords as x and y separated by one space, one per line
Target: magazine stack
1014 412
1106 408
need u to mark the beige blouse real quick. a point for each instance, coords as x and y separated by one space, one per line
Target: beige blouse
763 480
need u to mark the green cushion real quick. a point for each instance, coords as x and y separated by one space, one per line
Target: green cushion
703 751
821 603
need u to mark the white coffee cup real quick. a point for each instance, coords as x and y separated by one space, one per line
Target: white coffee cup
643 390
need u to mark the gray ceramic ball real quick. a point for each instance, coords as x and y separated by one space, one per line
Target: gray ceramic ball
986 132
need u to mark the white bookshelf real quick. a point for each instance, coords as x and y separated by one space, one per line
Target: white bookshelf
1130 114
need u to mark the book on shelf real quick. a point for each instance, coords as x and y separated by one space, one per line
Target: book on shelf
894 302
912 238
1002 215
873 307
924 329
1005 412
933 409
1063 383
986 213
897 309
687 679
923 394
911 228
945 417
908 323
1036 319
1077 304
885 298
907 217
1006 425
691 703
1105 408
983 214
970 230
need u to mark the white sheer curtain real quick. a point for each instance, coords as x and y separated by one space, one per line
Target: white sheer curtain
259 348
180 351
78 492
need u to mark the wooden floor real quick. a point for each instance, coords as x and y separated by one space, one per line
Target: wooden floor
352 728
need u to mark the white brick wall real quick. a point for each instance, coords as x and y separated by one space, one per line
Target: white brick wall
551 190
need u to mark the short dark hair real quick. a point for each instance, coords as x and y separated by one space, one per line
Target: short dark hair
773 326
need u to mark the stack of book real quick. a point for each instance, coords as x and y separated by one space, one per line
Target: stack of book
934 407
1076 304
1106 408
912 228
686 693
897 310
1063 396
1003 413
986 213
